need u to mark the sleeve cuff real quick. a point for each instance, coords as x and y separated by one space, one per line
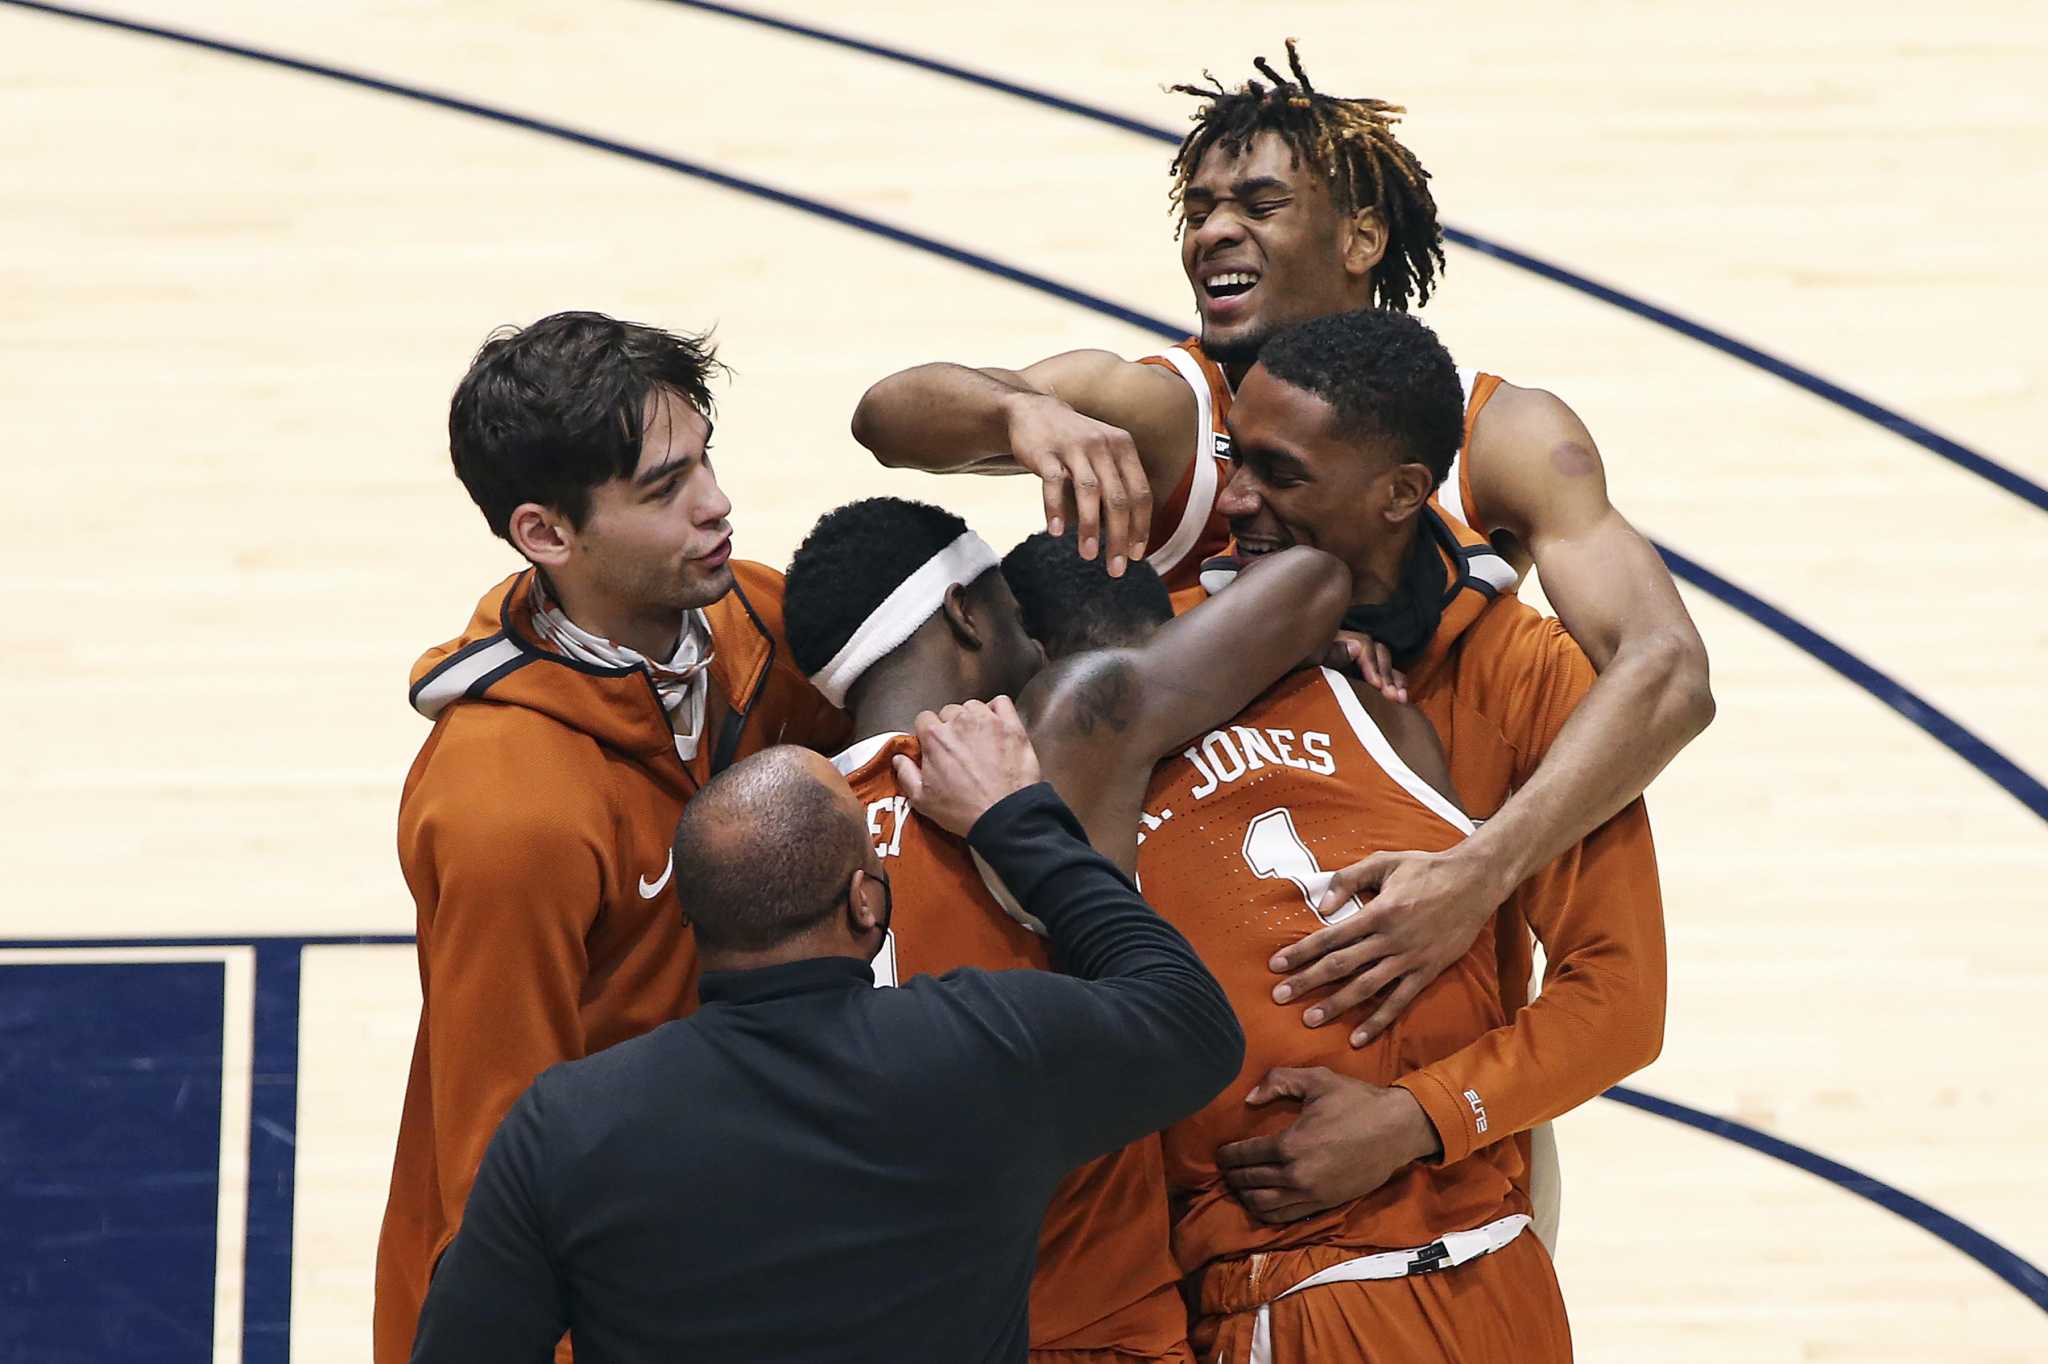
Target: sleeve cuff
1456 1117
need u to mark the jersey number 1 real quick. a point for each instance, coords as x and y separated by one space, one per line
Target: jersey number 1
1273 848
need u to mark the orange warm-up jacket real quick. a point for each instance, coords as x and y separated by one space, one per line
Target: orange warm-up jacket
534 832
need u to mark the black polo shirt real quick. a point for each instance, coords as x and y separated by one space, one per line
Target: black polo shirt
809 1168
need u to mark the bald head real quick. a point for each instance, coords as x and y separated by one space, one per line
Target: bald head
765 850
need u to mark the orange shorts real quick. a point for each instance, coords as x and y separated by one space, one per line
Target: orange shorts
1502 1308
1179 1354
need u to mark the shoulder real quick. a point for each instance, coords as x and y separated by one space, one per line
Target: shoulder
506 776
1086 695
1532 461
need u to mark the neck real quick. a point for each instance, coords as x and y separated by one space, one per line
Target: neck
652 634
1376 580
826 940
890 695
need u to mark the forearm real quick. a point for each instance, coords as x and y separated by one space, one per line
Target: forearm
1648 703
942 418
1101 928
1600 1017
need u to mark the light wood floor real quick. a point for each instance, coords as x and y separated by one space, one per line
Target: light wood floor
233 299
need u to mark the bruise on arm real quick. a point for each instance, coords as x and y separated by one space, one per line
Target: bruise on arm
1537 475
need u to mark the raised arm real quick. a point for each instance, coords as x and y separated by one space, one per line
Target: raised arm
1107 438
1102 720
1141 1034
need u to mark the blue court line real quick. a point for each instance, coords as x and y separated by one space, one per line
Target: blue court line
1946 729
278 972
1951 732
2014 482
2014 1269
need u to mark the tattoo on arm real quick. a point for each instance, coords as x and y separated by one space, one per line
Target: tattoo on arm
1106 698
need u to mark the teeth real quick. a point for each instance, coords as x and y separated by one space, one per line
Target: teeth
1238 277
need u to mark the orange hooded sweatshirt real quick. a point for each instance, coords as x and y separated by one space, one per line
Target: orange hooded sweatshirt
534 833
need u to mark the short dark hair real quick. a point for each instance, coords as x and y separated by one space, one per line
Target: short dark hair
548 412
1071 604
763 852
849 564
1350 143
1387 376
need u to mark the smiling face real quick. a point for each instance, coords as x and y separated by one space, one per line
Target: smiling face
1264 245
1297 480
656 542
1294 481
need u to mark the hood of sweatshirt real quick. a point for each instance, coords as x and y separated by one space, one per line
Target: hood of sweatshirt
498 659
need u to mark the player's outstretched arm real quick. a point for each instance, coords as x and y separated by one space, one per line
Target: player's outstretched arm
1108 439
1546 485
1105 718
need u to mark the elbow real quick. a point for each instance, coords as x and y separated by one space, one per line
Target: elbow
869 424
1678 660
1649 1040
1641 1039
1322 583
1224 1056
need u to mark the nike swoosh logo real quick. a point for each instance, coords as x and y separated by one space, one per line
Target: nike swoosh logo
648 890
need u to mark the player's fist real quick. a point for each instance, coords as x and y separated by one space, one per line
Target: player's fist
968 761
1089 470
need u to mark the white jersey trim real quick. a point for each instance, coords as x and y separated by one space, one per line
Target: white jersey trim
1390 762
853 759
1451 496
1202 494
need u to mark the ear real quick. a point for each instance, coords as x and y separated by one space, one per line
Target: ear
960 618
861 916
1365 243
542 534
1408 490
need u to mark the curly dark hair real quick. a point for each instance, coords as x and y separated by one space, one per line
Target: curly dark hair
848 565
1071 604
1387 376
1350 143
548 412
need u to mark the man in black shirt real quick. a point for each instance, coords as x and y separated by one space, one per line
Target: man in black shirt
812 1169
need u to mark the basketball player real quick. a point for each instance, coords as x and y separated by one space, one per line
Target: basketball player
896 610
1296 204
1238 829
591 694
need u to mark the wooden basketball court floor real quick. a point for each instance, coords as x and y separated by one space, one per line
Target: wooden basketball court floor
237 283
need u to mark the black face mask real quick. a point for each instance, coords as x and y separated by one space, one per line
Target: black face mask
1407 622
888 904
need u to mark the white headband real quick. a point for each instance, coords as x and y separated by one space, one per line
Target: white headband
902 612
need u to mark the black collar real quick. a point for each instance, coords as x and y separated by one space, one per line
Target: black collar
812 975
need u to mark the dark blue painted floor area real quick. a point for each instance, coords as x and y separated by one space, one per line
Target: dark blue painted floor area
110 1112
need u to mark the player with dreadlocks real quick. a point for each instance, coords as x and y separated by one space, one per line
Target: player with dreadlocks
1295 204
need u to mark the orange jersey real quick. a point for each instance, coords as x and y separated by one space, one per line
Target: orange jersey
1186 527
1106 1278
1241 832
